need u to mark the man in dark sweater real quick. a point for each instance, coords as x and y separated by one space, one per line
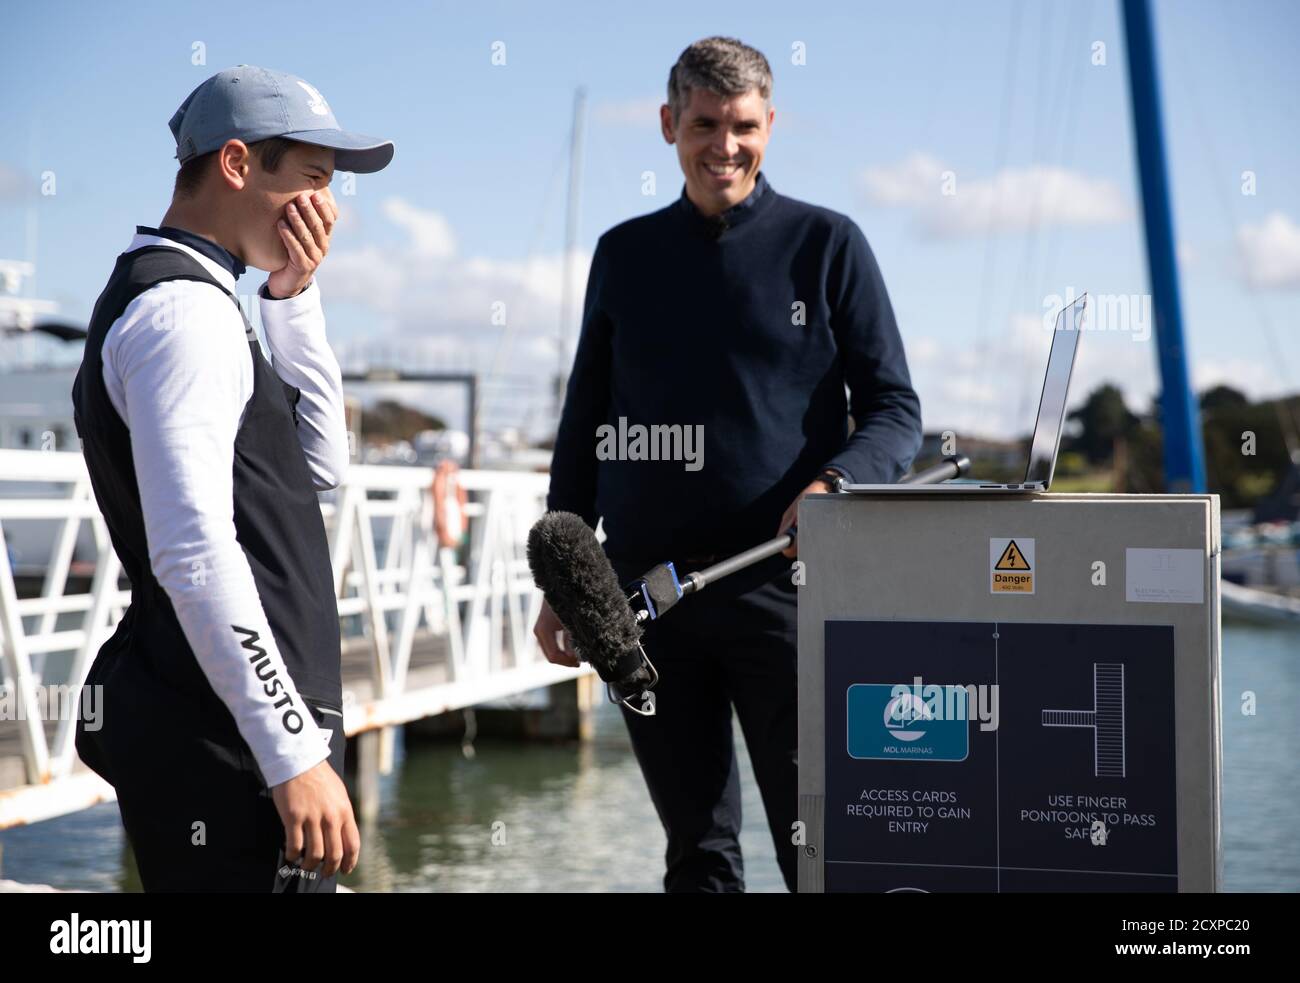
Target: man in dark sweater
707 397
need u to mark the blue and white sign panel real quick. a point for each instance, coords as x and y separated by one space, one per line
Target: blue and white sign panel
999 757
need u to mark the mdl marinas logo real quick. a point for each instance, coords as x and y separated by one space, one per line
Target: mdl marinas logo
892 723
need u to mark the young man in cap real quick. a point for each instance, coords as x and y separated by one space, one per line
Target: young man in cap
745 313
222 728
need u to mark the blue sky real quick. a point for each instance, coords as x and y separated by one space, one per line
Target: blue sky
891 98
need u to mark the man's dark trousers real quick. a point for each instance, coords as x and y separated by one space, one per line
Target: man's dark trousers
733 644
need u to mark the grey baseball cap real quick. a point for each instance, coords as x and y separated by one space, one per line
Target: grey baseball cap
250 104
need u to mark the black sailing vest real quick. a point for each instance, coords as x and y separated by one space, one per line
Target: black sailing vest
276 513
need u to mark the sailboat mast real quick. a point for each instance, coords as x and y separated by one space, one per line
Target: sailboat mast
1184 457
572 212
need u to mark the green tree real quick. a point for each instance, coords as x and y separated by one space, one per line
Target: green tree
1246 452
1103 419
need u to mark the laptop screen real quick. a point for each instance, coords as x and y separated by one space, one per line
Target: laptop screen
1056 387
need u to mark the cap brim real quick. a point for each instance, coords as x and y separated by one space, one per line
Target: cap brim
352 151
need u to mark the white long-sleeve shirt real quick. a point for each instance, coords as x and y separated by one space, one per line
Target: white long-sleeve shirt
179 371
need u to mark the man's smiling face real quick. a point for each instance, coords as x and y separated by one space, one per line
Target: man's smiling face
720 143
304 169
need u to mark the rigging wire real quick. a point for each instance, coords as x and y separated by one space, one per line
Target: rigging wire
1289 425
1020 285
1068 94
506 338
990 241
1068 113
928 113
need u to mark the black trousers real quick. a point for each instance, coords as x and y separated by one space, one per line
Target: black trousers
731 645
196 811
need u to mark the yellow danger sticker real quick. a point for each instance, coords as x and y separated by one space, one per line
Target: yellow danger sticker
1011 566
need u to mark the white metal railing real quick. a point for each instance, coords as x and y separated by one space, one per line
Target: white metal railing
391 578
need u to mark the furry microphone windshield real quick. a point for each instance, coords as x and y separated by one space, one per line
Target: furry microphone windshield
580 585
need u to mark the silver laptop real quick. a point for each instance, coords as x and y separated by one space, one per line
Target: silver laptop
1047 431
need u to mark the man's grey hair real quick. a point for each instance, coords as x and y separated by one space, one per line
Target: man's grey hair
722 65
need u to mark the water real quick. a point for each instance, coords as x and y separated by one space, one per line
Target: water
1261 768
578 818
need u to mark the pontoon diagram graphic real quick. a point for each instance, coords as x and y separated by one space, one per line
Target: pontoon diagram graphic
1106 719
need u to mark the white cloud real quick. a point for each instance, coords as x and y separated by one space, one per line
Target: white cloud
977 390
1270 252
949 204
915 180
430 233
1254 377
992 391
433 309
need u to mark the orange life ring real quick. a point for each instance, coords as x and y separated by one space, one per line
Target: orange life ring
449 499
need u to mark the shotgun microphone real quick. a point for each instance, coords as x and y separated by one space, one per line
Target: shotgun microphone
582 589
605 619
